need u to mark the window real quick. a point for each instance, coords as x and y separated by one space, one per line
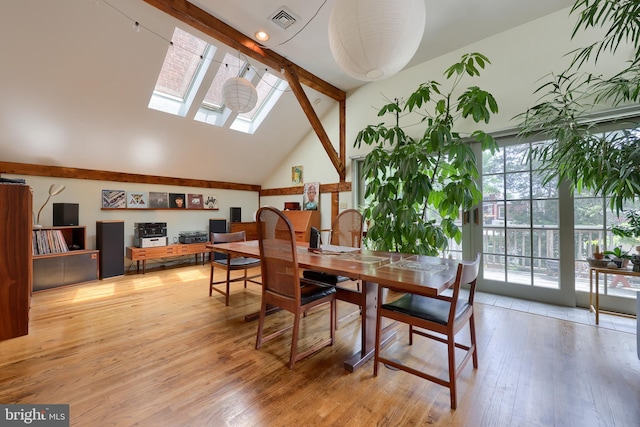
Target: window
188 62
182 65
521 242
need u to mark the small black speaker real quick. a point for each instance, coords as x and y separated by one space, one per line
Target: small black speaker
65 214
217 226
236 215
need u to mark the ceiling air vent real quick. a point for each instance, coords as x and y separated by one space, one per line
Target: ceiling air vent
283 18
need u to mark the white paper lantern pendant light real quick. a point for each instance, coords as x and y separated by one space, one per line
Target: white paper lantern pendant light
374 39
239 94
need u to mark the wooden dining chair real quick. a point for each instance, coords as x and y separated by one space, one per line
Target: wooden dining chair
282 285
231 263
346 230
439 318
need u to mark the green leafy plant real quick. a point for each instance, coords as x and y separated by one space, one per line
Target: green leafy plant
417 186
605 164
618 253
631 227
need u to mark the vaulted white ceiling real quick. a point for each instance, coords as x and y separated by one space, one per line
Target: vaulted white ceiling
77 80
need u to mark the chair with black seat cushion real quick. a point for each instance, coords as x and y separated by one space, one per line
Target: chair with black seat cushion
282 285
439 318
231 263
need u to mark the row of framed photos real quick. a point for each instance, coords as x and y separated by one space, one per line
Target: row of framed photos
120 199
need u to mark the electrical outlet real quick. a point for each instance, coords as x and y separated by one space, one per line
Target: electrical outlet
343 205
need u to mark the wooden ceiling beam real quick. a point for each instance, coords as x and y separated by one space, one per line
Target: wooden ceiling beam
212 26
294 82
100 175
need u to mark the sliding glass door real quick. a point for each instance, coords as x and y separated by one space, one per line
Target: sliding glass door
535 238
518 228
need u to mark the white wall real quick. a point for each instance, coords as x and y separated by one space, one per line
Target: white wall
521 60
88 194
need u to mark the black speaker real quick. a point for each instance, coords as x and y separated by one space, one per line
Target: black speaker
217 226
110 243
65 214
236 215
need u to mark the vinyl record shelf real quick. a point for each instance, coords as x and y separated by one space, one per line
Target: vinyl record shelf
60 257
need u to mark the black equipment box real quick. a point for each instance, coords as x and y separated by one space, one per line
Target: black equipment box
193 237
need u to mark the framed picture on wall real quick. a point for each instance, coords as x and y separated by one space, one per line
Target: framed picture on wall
177 200
211 202
297 175
310 196
158 200
137 199
194 201
114 199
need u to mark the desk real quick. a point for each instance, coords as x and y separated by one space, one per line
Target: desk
179 249
371 268
604 270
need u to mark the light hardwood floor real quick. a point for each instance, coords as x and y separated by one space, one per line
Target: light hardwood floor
156 350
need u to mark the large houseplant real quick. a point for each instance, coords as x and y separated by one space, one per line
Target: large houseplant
417 186
605 164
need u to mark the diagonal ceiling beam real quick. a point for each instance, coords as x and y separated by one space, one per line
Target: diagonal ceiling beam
208 24
212 26
294 83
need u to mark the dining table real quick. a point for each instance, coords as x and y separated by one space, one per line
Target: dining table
425 275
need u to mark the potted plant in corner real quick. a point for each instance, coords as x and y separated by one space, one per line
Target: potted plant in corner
417 186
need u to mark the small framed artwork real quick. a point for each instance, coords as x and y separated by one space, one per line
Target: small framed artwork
158 200
296 175
211 202
310 196
137 199
194 201
114 199
176 200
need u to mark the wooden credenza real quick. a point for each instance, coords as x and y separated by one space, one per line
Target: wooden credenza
179 249
15 259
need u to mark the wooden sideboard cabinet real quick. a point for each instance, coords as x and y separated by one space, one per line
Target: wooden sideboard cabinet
15 259
179 249
54 268
302 221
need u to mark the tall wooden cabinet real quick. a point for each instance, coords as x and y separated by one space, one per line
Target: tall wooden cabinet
15 259
302 221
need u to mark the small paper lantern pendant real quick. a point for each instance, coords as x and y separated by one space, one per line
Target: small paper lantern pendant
239 94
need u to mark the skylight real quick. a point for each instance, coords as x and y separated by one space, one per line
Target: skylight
191 61
184 62
231 67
